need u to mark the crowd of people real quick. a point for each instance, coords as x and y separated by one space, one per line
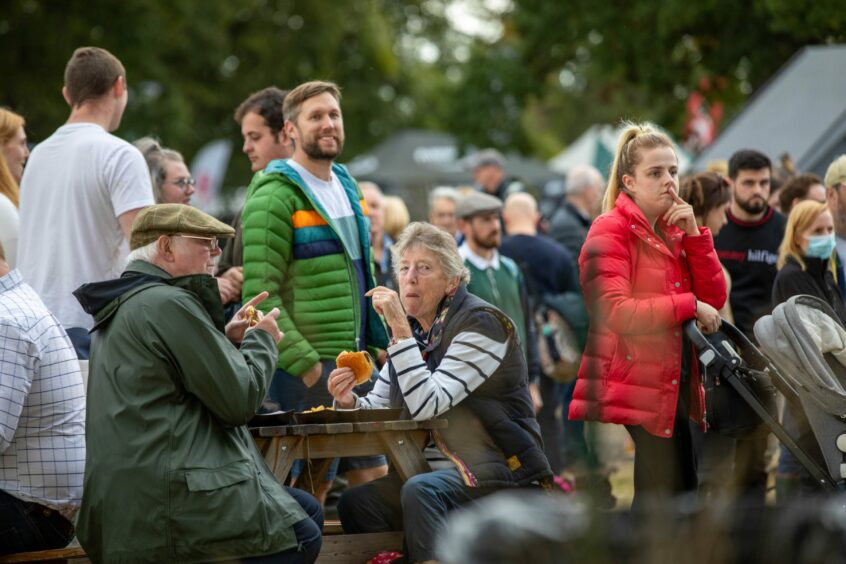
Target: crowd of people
515 328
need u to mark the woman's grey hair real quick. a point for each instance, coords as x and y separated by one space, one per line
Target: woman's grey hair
157 158
441 243
147 253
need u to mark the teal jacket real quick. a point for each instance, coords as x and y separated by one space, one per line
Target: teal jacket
172 473
292 250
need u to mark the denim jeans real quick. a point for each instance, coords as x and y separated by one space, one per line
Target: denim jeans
308 531
419 507
26 526
551 427
574 446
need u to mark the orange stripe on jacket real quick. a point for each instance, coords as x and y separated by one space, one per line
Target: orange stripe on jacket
364 207
306 218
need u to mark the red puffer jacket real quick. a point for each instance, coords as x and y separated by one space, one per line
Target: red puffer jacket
638 290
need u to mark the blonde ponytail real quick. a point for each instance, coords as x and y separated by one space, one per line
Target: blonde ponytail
633 138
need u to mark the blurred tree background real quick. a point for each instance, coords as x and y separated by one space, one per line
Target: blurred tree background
525 75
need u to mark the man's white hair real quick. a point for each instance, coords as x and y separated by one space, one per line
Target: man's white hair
581 177
147 253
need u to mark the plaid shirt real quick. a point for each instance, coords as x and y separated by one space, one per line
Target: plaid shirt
42 403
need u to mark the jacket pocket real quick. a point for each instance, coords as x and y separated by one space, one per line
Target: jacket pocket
207 479
216 511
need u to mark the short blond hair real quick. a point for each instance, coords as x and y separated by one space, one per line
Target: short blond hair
801 217
395 216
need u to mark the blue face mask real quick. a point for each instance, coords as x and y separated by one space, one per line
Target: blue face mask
820 246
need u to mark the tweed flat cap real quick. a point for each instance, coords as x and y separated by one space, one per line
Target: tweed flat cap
836 173
477 203
169 219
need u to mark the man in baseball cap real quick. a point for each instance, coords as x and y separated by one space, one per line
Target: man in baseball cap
167 376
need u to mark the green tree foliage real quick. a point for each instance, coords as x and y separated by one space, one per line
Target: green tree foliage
581 62
190 63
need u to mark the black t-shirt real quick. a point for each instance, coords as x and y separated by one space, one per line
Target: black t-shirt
749 251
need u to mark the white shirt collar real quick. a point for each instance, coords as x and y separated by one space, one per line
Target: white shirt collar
479 262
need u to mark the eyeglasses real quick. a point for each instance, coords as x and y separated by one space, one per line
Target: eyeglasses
184 183
212 244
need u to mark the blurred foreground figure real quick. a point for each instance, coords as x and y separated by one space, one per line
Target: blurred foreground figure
541 529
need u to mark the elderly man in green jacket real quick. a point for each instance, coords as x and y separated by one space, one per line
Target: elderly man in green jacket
172 473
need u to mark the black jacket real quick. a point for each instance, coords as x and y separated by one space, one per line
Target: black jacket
816 280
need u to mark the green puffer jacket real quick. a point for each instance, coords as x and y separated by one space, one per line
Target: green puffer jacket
172 473
292 250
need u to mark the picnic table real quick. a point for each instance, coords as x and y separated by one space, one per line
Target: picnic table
401 441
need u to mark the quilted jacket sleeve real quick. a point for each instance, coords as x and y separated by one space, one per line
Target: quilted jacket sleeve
606 276
268 243
709 283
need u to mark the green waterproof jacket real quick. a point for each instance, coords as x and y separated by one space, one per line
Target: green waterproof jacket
292 250
172 473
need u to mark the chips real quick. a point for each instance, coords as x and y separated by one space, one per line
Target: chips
360 362
319 408
251 313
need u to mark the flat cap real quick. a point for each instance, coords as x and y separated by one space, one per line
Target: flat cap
487 157
170 219
836 173
477 203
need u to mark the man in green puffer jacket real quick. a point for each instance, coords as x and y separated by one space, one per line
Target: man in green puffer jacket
306 241
172 473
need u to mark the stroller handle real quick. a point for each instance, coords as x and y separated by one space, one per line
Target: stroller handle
706 351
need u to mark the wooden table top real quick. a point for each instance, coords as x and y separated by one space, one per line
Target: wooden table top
339 428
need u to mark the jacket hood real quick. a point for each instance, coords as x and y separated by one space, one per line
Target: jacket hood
102 299
95 297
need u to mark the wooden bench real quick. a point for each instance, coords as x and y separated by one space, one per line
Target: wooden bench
73 554
337 548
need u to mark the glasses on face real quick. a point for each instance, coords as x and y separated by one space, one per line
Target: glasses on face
184 183
211 242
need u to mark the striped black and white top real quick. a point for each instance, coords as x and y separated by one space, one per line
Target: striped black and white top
42 403
470 359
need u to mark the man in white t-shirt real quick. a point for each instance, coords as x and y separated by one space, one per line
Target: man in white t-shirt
81 192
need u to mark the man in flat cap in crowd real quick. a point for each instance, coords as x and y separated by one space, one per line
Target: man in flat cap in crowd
172 473
496 278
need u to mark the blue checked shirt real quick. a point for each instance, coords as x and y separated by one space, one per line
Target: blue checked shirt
42 403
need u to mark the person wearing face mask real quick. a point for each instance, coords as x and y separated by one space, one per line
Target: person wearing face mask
807 265
645 268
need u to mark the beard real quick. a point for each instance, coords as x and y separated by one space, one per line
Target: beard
492 241
313 150
753 206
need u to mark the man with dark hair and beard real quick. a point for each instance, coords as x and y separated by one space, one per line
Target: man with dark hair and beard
748 244
306 240
748 248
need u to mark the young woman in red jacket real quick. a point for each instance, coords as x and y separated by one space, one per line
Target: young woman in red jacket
646 267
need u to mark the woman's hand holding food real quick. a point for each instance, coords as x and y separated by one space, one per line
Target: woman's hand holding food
341 382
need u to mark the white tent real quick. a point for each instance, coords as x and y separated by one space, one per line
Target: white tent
596 147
